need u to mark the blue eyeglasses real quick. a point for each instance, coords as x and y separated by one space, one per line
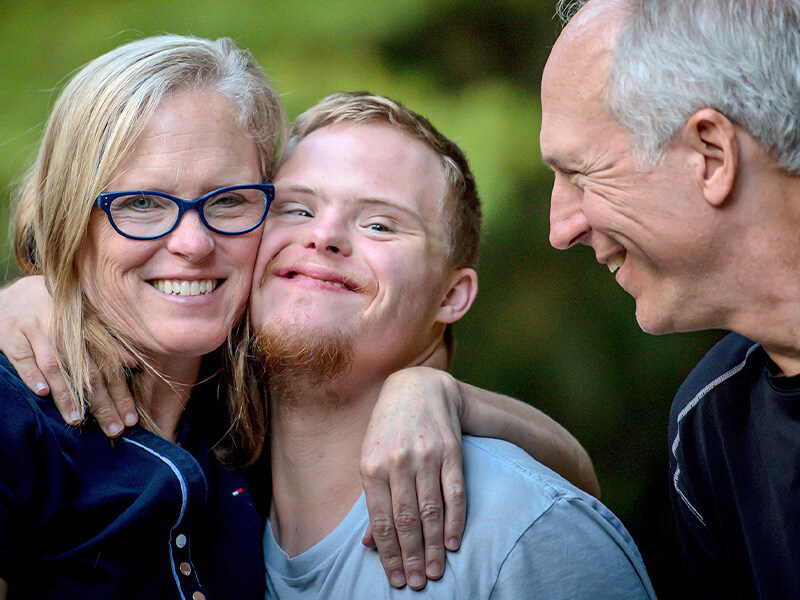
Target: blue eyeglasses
147 215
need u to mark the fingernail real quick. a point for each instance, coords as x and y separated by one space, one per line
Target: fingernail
114 428
434 569
131 419
416 579
41 388
453 543
398 579
75 418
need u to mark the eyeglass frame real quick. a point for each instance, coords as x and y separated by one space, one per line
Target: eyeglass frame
104 200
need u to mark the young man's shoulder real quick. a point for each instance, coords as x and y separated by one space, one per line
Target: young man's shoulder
500 474
528 523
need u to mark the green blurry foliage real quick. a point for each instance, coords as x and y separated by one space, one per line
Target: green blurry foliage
548 327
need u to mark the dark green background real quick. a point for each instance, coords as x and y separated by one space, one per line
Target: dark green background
551 328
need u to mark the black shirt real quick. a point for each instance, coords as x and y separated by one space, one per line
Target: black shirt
82 516
735 466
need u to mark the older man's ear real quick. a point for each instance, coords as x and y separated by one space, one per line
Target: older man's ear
713 138
462 292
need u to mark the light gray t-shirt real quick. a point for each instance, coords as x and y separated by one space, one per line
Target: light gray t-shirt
529 534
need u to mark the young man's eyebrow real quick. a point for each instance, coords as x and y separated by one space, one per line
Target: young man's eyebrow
391 204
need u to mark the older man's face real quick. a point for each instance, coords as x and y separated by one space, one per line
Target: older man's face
643 221
355 242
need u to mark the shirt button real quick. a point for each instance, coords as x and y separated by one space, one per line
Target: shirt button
198 596
180 541
185 568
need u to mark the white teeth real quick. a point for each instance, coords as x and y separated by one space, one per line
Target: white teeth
184 287
615 262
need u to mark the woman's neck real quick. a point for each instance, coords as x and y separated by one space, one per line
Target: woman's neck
165 389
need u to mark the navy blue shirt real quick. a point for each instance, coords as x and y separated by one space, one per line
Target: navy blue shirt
82 516
735 465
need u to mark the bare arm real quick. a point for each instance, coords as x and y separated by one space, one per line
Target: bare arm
487 414
3 589
25 313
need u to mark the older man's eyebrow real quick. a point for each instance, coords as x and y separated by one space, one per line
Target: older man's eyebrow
559 163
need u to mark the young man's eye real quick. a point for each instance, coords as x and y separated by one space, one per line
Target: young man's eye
290 208
380 227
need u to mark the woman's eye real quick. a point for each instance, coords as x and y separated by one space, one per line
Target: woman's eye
141 202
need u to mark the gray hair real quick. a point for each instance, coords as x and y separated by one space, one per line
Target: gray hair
739 57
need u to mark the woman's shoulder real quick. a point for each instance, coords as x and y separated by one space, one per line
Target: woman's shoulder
20 408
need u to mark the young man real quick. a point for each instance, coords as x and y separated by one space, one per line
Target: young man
672 128
368 257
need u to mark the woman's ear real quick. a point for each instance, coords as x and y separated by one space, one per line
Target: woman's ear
459 298
712 136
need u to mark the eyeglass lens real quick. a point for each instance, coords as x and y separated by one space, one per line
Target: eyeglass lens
144 215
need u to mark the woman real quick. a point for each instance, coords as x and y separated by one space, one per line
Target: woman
185 118
190 119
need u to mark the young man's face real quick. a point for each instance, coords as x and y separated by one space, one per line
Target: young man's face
355 244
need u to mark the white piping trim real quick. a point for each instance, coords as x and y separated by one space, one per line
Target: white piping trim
700 395
184 501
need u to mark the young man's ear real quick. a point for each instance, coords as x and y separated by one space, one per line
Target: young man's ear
462 292
713 138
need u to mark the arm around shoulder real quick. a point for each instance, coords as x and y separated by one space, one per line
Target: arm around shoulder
488 414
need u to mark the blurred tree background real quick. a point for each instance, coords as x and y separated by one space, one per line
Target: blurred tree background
550 328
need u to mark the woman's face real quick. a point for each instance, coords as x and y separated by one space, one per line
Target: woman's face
178 295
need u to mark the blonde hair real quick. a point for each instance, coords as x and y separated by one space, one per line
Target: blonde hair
462 202
93 126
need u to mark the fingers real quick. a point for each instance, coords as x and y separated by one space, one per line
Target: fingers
455 498
19 351
121 396
368 540
407 523
111 404
381 527
431 514
407 516
33 356
102 407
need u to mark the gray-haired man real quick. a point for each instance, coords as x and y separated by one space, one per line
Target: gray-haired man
672 128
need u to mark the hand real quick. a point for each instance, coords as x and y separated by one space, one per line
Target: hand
25 313
410 464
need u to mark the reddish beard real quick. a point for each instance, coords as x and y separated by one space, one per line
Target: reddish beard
292 350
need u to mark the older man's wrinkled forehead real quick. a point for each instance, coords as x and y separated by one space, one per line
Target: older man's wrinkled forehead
574 78
584 47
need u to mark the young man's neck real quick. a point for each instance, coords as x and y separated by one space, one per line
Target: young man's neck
316 436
